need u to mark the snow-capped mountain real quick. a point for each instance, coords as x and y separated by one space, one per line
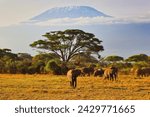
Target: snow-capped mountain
69 12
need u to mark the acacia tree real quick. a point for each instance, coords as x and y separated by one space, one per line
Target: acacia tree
138 58
69 43
114 58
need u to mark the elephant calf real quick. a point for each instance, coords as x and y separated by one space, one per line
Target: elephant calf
72 76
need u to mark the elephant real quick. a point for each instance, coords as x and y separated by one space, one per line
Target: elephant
136 72
142 72
139 72
87 71
99 72
147 72
72 76
111 73
132 71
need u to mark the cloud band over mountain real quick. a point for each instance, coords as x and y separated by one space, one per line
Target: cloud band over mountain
91 21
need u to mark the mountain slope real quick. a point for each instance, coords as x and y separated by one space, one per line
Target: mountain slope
70 12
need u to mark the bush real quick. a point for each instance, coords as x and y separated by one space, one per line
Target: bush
39 66
31 70
64 69
52 67
141 64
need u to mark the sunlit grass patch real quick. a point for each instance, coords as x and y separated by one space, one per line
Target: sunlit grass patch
50 87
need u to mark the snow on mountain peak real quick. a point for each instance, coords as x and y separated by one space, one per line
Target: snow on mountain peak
69 12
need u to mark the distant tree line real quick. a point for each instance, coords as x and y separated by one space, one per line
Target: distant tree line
43 63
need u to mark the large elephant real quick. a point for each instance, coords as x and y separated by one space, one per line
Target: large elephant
99 72
111 73
72 76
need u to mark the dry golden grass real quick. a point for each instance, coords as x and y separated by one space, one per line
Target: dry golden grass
47 87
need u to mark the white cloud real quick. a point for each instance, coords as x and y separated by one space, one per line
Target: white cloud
75 21
92 21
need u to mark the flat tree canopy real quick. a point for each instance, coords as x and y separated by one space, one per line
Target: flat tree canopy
138 58
114 58
66 44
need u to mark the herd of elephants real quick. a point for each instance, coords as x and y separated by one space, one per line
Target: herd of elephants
110 73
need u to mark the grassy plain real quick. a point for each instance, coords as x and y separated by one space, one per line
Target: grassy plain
47 87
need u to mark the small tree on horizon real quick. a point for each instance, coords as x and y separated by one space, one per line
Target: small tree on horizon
69 43
114 58
138 58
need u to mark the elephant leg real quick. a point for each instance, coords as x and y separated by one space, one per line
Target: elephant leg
115 77
110 77
70 83
107 77
74 82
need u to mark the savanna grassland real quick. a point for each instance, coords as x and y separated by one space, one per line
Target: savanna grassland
50 87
